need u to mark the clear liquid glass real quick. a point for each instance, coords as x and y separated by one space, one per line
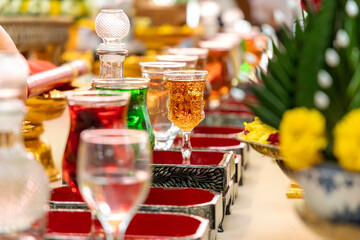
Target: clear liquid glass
164 130
114 175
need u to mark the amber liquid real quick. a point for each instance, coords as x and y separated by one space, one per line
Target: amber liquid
220 74
186 105
201 63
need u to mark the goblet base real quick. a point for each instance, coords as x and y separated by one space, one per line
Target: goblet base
163 144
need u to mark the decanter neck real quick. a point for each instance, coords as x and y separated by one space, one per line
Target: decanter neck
112 63
12 112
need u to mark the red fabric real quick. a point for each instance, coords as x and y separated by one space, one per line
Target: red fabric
37 66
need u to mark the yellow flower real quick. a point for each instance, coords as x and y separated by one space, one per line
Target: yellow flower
347 141
258 131
302 137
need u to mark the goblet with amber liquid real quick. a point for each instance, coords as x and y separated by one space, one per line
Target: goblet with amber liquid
186 103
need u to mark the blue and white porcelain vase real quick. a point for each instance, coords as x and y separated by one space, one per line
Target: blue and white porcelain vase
332 192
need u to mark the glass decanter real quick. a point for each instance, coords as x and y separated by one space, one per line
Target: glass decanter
23 181
112 25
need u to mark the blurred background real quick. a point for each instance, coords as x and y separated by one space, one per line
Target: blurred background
63 30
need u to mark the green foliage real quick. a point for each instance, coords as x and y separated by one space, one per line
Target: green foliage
291 79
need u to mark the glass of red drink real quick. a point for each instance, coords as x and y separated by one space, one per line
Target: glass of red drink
90 110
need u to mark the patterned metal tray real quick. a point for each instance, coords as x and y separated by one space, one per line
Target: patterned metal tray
228 199
215 143
208 170
192 201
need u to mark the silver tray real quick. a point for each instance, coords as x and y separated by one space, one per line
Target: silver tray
210 170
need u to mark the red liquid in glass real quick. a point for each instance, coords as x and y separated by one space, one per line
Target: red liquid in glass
86 117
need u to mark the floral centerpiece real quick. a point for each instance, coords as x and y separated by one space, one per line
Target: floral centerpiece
311 94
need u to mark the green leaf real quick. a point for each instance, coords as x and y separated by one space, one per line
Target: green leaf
269 100
274 87
266 115
318 37
354 84
288 43
284 60
278 73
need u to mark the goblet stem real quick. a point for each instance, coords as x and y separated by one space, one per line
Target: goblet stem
186 147
112 230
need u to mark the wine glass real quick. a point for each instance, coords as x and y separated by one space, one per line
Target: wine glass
114 175
190 61
157 96
201 53
186 103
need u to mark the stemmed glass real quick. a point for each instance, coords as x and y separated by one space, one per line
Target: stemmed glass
201 53
186 103
114 175
157 96
190 61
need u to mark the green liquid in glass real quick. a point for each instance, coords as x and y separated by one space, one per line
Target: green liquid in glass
138 116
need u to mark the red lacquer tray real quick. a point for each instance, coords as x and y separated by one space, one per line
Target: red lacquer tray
192 201
217 131
203 203
227 118
72 224
222 144
211 170
63 198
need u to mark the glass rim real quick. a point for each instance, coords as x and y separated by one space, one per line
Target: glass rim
186 73
114 136
125 83
162 64
96 96
177 58
200 52
110 10
216 45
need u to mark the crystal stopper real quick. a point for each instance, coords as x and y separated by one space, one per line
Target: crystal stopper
112 25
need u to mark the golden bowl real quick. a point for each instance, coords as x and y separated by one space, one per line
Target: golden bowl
45 107
42 108
268 150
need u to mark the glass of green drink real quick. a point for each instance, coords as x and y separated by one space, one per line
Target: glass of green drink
138 116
